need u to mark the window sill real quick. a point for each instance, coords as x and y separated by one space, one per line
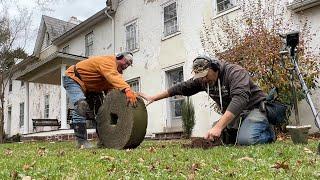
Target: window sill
222 13
170 36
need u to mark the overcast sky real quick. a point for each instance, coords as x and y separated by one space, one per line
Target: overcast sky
61 9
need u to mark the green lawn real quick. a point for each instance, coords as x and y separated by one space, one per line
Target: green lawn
160 160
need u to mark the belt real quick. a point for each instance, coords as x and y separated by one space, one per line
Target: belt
76 72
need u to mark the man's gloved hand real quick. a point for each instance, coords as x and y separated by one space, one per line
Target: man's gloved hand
131 97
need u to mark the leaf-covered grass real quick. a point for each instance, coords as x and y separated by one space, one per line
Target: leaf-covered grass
160 160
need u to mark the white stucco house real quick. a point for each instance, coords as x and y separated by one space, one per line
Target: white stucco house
164 36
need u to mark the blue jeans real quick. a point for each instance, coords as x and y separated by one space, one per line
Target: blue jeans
255 129
75 94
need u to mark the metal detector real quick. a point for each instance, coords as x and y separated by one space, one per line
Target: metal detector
290 48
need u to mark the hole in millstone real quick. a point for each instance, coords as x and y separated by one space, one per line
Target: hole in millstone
114 119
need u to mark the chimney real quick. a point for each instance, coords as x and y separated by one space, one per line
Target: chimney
74 20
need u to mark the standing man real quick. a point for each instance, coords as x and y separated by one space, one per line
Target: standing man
231 87
94 75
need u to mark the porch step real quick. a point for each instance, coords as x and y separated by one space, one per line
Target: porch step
58 135
168 135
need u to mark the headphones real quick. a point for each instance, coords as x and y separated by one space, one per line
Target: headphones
121 55
214 64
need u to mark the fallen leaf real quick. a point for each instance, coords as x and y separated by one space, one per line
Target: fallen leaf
112 169
152 167
141 160
195 167
109 158
299 162
14 175
26 178
282 165
307 150
8 152
247 159
168 168
42 151
152 149
26 167
61 153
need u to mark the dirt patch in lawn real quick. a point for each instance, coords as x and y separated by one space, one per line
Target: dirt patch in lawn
202 143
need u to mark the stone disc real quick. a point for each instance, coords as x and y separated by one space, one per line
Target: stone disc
121 126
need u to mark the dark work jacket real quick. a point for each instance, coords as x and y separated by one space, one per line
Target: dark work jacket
238 91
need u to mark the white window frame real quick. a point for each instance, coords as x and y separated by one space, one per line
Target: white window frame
46 106
133 23
163 6
89 42
21 114
234 6
133 81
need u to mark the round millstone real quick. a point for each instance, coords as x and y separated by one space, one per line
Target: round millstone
119 125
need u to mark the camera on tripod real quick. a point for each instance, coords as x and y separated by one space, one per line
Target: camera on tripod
292 39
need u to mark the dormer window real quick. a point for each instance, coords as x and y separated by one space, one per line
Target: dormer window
47 39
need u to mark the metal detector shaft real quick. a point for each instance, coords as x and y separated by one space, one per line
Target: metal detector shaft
307 92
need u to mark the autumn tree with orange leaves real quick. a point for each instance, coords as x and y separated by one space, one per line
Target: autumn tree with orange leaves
252 41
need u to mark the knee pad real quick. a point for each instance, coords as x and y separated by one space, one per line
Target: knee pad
82 107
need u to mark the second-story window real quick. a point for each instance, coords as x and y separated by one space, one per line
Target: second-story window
89 44
22 83
46 106
131 37
66 49
223 5
170 19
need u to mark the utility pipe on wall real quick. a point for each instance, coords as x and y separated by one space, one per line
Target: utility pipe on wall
113 29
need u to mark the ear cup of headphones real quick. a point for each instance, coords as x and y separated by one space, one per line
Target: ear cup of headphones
119 56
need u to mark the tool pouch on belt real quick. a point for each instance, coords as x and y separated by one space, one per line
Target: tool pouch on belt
277 112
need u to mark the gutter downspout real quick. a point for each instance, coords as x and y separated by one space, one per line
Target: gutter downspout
113 29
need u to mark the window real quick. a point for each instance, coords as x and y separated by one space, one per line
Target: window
175 77
134 84
131 37
223 5
170 19
89 44
46 106
66 49
21 117
47 39
9 119
22 83
10 85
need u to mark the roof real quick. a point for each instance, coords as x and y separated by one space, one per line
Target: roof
99 16
56 27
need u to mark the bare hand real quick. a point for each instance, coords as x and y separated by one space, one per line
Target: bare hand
149 99
214 133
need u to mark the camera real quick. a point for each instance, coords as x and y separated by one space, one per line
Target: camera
292 39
